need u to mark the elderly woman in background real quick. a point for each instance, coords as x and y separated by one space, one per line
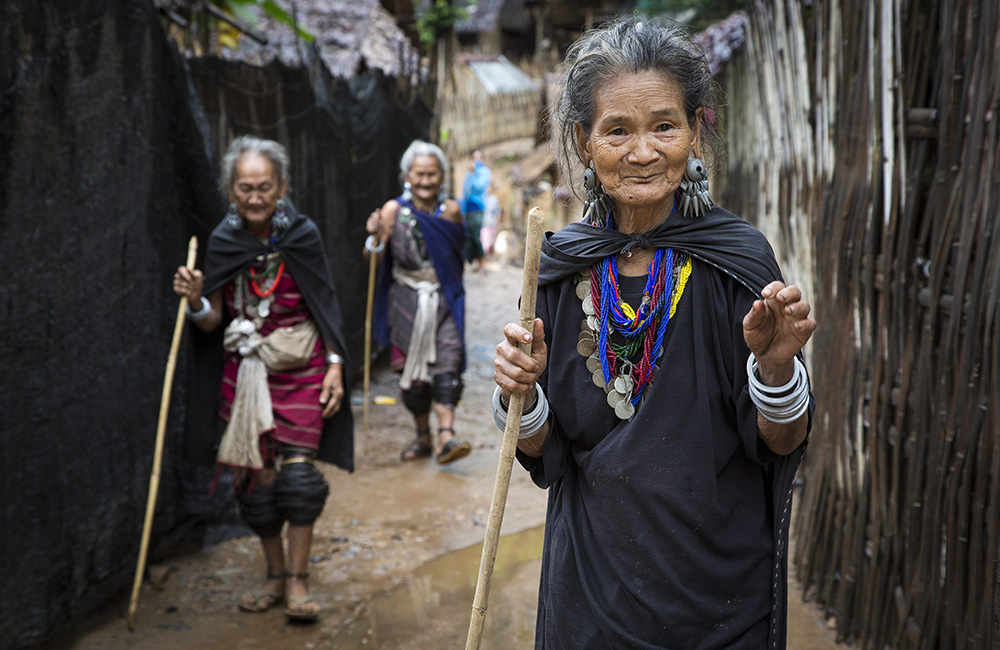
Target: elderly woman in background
420 307
267 279
668 343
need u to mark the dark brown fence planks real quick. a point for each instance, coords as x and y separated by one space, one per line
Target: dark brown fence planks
864 141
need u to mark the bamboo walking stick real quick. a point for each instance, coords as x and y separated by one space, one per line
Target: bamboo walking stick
529 289
154 476
372 263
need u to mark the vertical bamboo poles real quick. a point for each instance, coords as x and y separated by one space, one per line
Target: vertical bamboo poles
161 428
529 291
899 521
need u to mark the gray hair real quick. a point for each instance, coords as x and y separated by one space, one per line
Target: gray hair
274 152
629 46
421 148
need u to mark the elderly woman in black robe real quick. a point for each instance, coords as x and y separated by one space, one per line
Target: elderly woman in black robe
666 405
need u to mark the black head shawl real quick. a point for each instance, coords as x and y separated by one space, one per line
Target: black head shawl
230 251
719 238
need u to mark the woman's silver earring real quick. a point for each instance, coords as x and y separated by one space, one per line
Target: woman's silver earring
442 196
280 221
233 218
407 194
694 199
598 204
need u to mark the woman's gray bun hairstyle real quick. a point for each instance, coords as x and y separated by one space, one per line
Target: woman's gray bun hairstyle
629 46
421 148
273 151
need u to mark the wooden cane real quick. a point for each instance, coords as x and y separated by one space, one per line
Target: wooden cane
372 264
529 289
161 427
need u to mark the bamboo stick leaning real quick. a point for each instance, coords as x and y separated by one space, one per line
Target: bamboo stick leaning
529 290
372 265
161 427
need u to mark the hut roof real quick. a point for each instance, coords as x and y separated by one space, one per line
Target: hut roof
350 36
485 15
720 40
498 75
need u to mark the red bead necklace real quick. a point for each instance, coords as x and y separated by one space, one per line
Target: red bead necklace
274 285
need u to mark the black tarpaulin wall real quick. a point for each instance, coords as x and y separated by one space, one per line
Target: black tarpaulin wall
107 167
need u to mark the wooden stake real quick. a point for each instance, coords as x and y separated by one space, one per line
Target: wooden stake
529 290
372 264
161 427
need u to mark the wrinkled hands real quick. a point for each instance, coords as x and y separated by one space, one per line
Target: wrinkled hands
188 283
332 394
513 370
776 328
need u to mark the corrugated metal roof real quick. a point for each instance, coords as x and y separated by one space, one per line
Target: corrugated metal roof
499 76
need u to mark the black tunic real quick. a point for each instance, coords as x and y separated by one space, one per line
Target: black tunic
666 531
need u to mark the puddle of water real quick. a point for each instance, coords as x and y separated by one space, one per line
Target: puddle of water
434 607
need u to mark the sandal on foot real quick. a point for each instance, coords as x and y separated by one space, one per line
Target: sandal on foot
261 600
452 451
417 449
299 609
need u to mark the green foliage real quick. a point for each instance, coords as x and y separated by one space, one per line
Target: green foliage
240 9
706 11
435 17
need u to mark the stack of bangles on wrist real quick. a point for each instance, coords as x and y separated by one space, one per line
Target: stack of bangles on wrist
201 314
533 418
779 404
371 247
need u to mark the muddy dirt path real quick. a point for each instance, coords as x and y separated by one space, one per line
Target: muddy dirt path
397 549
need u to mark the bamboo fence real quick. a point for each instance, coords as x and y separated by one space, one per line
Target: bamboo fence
473 117
864 142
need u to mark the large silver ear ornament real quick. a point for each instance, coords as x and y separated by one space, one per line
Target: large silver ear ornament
233 218
695 199
598 204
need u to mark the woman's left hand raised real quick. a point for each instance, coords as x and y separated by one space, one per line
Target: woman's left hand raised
333 390
778 325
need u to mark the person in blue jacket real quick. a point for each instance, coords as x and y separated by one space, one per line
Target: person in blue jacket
474 190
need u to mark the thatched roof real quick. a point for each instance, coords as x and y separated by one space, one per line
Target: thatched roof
720 40
350 36
487 14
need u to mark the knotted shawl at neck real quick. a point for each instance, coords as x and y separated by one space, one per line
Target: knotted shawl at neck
444 241
719 238
230 251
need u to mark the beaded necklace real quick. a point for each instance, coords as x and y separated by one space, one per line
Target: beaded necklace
263 274
407 217
613 365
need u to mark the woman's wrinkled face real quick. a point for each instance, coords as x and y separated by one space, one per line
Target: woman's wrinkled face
425 178
256 189
641 139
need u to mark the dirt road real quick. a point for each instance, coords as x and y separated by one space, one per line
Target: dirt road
397 549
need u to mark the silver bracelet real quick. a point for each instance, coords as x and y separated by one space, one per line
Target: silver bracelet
371 247
333 357
779 404
201 314
531 422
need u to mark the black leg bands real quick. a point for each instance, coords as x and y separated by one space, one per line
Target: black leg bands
302 492
259 508
417 399
448 389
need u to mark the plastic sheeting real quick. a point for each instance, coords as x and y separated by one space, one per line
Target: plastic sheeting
107 167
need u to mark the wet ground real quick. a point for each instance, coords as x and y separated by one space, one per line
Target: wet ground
396 552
